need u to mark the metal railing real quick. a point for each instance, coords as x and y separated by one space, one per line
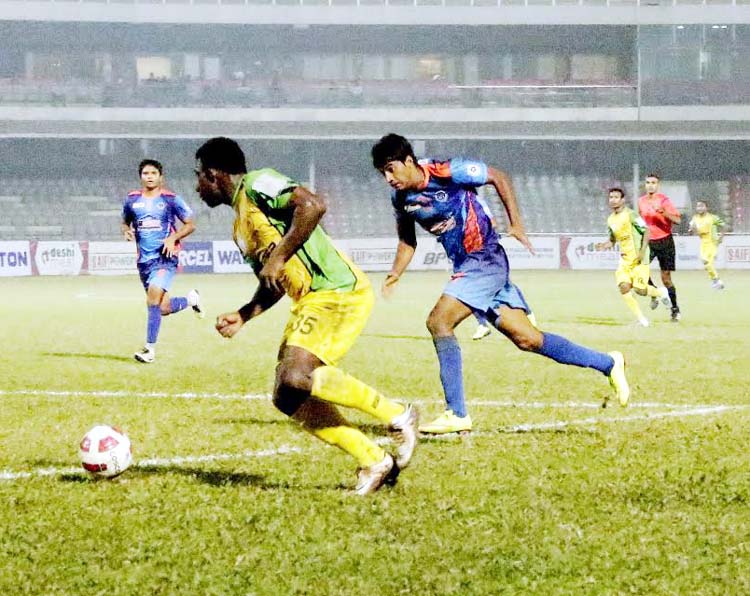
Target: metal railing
404 3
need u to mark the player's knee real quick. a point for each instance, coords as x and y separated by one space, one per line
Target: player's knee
528 341
288 402
293 380
625 288
437 326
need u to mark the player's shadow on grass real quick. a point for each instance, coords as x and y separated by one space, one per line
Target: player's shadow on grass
86 355
390 336
248 420
598 321
216 477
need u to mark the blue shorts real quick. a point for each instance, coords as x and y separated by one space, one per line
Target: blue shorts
158 272
482 283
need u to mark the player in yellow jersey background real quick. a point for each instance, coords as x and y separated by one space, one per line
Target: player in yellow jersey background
708 227
629 231
276 229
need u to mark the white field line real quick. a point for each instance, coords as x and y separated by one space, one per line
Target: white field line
150 394
265 396
156 462
563 424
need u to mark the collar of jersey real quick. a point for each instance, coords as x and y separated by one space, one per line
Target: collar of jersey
426 178
236 194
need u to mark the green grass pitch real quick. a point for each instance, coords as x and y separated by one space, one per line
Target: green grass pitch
550 495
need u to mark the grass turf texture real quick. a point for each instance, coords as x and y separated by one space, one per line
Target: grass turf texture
650 500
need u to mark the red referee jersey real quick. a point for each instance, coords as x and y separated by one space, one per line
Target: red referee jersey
659 226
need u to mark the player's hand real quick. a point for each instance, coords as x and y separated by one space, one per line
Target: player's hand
389 285
520 235
129 234
169 248
229 324
270 275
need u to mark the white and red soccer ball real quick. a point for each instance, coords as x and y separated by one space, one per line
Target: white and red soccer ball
105 451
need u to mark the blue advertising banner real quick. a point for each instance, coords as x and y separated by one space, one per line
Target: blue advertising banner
197 257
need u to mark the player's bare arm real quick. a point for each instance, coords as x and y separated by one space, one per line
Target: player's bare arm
228 324
170 242
127 231
504 188
644 247
670 214
308 209
604 245
407 243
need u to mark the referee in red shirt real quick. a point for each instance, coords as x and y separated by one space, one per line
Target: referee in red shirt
660 214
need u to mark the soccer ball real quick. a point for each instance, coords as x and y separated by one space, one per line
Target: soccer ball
105 451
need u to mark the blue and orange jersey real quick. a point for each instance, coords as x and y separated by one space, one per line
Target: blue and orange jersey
153 219
448 207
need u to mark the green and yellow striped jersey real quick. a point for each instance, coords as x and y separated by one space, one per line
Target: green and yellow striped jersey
626 228
707 226
262 218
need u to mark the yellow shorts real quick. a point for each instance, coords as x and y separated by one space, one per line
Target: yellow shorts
708 252
327 323
635 275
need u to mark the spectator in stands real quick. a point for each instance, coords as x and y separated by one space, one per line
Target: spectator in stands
660 214
441 196
149 216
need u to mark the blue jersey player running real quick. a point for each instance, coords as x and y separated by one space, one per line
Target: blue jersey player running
441 197
149 216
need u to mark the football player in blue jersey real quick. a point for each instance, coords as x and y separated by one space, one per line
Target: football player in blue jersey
441 196
149 217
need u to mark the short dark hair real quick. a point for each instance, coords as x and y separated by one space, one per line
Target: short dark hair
653 175
150 162
617 189
391 147
223 154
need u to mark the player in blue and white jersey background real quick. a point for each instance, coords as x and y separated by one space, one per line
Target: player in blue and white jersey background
150 216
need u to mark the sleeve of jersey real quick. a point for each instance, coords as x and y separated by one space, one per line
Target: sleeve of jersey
669 207
274 189
638 223
464 171
398 210
184 212
127 214
718 222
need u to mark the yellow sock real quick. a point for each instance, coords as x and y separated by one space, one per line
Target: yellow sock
633 305
711 270
325 422
335 386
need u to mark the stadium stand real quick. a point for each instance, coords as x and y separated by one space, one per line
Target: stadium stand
357 207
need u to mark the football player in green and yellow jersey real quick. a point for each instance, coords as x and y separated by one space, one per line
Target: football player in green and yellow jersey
276 229
629 231
708 227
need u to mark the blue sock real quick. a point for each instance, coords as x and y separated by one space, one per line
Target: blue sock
565 351
451 373
177 304
481 318
154 322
